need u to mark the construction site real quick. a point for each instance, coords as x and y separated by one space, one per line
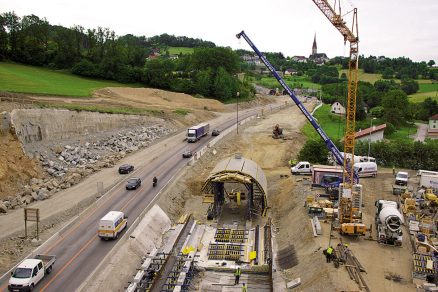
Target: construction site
239 213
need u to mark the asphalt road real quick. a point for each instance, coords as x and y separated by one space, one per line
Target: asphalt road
78 248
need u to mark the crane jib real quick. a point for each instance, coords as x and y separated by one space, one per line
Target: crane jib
330 145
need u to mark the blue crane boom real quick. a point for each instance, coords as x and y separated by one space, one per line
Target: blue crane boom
329 143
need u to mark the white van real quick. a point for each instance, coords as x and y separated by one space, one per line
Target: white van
365 169
302 167
112 224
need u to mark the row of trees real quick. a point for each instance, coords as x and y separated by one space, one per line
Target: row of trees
401 154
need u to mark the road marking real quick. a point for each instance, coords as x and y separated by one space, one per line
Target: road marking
69 262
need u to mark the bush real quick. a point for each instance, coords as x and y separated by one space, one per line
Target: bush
377 111
314 151
390 129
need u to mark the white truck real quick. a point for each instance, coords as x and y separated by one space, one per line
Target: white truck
389 223
30 272
429 181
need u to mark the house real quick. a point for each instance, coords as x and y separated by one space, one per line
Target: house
290 72
337 108
251 59
432 128
299 59
371 134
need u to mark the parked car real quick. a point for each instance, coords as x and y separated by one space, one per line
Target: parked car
133 183
187 154
126 168
215 132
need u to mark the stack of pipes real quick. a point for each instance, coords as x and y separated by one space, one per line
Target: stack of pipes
352 264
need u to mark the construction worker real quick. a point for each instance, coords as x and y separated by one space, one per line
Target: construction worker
244 288
393 170
237 273
329 254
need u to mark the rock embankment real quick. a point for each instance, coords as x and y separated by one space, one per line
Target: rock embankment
66 162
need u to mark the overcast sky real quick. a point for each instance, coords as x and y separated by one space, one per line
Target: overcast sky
391 28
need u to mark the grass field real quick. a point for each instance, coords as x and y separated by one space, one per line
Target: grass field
178 50
292 82
421 96
402 133
368 77
428 87
333 125
38 80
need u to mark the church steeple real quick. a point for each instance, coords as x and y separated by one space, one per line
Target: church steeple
314 48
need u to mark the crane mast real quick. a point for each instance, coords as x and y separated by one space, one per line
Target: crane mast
347 213
353 65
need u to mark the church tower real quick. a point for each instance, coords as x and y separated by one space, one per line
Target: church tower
314 48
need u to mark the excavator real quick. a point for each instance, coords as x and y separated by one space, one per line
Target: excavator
350 193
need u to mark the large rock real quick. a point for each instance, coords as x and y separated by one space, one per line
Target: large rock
3 208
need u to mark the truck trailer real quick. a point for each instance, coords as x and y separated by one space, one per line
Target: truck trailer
196 132
429 181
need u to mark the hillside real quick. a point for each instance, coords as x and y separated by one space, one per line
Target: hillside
38 80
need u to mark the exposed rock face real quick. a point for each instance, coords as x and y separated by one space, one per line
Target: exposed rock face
78 155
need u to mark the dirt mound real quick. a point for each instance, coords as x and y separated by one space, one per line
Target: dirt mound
156 98
16 169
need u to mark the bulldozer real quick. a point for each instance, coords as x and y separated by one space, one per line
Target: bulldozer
277 133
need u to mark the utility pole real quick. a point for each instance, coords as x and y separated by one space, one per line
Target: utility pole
237 111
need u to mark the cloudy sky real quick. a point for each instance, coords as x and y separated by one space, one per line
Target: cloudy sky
391 28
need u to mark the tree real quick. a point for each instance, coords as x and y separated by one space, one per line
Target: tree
409 86
431 63
384 86
395 104
388 73
314 151
224 86
158 73
203 82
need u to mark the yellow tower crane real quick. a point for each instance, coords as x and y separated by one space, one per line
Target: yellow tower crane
346 209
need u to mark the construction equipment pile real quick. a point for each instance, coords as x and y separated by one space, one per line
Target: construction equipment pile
420 209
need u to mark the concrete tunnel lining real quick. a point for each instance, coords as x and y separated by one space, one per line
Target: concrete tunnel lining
238 168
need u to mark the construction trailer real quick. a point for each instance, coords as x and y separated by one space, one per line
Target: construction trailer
320 173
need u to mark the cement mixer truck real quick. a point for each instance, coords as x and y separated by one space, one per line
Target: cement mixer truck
389 223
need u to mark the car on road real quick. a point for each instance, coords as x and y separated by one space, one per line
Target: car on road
133 183
187 154
215 132
126 168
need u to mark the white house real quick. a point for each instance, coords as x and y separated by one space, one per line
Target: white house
371 134
338 108
432 128
290 71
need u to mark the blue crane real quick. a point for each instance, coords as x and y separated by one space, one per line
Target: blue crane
329 143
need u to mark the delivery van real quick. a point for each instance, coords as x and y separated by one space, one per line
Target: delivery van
365 169
111 225
302 167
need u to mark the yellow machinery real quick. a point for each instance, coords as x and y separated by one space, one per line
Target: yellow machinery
347 211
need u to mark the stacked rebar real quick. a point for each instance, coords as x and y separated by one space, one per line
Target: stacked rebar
352 264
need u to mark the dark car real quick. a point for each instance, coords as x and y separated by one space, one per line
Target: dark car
126 168
133 183
187 154
215 132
